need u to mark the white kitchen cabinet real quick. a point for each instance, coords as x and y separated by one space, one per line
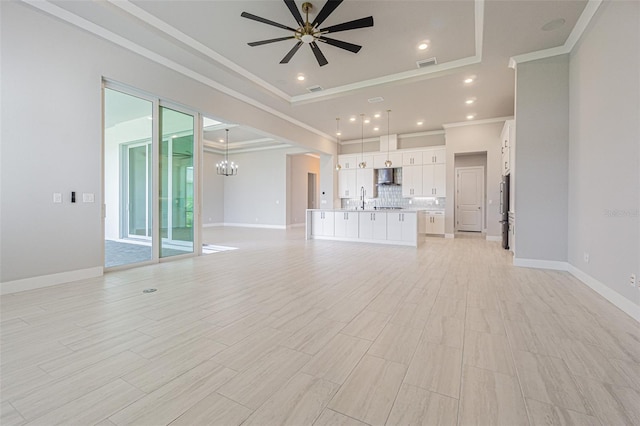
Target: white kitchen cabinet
412 183
434 156
506 139
402 226
348 161
434 223
346 224
364 179
372 226
322 223
434 180
379 159
351 182
412 158
347 183
367 158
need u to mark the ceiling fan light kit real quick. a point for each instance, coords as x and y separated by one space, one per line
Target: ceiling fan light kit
309 32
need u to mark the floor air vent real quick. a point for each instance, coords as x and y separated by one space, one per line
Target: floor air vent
314 89
427 62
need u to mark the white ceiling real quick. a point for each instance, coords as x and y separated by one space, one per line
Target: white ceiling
468 38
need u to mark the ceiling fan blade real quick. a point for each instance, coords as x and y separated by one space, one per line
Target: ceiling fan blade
292 52
327 9
341 44
322 61
351 25
291 4
265 21
273 40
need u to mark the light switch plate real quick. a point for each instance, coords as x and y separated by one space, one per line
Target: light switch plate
88 197
57 197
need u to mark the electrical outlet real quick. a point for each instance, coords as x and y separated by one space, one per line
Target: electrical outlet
632 280
586 257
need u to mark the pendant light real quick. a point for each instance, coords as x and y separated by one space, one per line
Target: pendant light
224 168
388 163
363 164
338 166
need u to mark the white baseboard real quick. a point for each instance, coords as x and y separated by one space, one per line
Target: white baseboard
211 225
624 304
42 281
255 225
618 300
541 264
449 235
494 238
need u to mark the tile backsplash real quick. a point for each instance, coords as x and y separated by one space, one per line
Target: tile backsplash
391 196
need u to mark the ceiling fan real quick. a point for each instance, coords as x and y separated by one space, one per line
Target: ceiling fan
309 33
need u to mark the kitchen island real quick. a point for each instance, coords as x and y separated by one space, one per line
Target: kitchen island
394 226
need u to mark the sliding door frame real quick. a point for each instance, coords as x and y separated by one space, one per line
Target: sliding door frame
156 241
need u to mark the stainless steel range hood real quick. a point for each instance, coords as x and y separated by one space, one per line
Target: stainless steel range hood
387 177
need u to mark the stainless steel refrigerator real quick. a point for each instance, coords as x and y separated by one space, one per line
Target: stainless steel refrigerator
504 211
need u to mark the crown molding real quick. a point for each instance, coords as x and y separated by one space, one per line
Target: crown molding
430 72
477 122
64 15
576 33
173 32
418 134
418 74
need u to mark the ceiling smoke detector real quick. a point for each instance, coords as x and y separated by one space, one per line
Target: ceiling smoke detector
427 62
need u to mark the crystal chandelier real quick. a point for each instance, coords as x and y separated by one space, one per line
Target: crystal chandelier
224 167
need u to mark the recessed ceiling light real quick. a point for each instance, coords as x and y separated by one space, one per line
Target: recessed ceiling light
423 46
300 77
377 115
419 123
470 116
221 140
352 119
375 129
338 133
367 121
468 80
469 101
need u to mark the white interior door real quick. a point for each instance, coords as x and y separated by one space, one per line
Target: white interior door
469 198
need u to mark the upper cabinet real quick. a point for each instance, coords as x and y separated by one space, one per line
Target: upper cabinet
379 160
348 161
507 140
412 158
434 156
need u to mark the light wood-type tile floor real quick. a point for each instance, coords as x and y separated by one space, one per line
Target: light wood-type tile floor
285 331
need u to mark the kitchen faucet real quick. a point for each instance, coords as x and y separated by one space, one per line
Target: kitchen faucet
362 196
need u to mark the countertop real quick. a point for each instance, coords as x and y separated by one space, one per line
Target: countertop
404 210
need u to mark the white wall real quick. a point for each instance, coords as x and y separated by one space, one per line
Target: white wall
604 149
52 136
257 196
472 139
301 166
542 154
212 190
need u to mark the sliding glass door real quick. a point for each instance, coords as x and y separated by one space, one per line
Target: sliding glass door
128 136
149 173
176 182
